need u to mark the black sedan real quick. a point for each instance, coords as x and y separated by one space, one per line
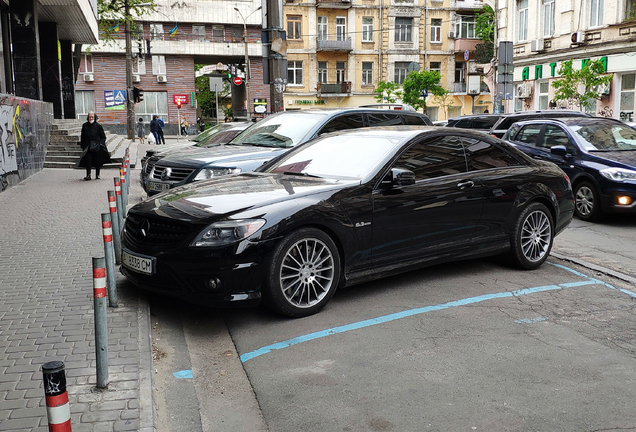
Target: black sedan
342 209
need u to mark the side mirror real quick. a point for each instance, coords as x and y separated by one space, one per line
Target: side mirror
558 150
400 177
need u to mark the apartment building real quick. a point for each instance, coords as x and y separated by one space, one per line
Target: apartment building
167 43
338 50
546 32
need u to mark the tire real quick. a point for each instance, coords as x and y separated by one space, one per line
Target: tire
303 275
532 237
587 202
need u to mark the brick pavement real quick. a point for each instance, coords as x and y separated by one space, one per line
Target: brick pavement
50 227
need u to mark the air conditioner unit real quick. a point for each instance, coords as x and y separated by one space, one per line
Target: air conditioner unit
451 35
136 78
89 77
162 78
537 45
524 90
603 90
577 38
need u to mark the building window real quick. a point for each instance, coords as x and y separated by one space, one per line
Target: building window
465 27
548 17
218 33
154 103
435 67
139 66
628 84
591 107
86 64
630 9
454 111
198 32
436 30
322 28
460 73
156 31
295 72
401 71
341 28
596 13
403 29
158 65
322 72
294 27
522 7
433 113
84 103
518 101
340 72
367 73
367 29
544 98
237 34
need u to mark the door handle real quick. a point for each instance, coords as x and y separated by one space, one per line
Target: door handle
465 184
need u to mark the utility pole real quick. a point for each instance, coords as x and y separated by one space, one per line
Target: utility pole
130 103
247 62
274 53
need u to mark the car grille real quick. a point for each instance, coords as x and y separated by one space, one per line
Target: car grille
175 174
158 232
150 163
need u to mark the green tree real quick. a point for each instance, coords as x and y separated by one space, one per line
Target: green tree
206 99
387 92
485 24
419 85
444 101
590 79
113 18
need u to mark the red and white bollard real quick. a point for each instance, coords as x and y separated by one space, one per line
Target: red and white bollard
118 201
101 319
58 410
109 254
124 194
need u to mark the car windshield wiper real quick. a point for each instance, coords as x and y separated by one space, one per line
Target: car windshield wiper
300 174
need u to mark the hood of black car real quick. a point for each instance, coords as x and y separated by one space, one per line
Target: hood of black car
219 156
626 157
216 198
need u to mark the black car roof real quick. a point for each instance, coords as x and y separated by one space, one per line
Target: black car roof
336 111
573 121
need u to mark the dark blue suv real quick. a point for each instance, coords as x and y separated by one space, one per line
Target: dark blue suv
598 154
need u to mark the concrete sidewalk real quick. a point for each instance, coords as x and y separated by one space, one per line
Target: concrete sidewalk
50 229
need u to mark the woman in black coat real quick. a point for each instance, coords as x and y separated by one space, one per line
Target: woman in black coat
93 132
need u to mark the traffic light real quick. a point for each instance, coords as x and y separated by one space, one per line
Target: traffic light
138 95
178 103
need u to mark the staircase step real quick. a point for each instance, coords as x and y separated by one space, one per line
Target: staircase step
67 131
48 164
54 152
62 158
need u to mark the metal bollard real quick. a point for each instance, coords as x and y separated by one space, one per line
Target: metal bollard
118 202
58 410
101 319
109 255
127 175
114 221
124 194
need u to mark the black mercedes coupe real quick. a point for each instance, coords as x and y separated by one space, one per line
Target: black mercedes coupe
342 209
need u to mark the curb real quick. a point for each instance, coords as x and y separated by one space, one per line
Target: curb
595 267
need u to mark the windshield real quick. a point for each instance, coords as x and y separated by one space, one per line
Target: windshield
219 138
606 137
205 134
285 130
337 156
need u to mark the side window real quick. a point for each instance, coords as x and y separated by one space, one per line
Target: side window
434 157
484 122
553 136
384 119
463 123
528 134
413 120
349 121
481 155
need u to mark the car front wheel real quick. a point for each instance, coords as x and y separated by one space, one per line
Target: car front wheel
303 274
587 204
532 236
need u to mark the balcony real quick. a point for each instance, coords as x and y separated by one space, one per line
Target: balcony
333 45
333 4
460 88
462 45
338 89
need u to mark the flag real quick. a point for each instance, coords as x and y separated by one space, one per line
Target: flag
114 28
173 32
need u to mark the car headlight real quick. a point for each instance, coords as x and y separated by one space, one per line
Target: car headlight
208 173
618 174
227 232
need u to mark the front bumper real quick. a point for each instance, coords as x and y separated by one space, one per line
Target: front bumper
610 193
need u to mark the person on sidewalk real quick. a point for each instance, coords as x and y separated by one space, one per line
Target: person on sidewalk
184 125
153 129
141 130
93 142
160 125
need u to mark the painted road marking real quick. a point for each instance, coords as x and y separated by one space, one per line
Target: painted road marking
531 321
183 374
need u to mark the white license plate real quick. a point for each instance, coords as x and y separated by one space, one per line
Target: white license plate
137 263
158 187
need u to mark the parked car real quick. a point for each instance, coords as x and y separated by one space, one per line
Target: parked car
343 209
507 120
479 122
598 154
213 137
266 139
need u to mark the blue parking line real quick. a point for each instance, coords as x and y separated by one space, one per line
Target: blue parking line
395 316
183 374
531 320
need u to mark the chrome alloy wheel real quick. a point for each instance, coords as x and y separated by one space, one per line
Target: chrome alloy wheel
584 201
307 272
536 236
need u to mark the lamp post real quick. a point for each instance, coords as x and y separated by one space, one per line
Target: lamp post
247 61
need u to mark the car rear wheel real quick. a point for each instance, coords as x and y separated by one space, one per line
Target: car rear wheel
587 204
532 236
303 274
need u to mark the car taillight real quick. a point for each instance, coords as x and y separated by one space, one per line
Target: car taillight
567 179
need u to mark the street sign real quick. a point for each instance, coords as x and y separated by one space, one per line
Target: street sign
466 55
183 98
237 81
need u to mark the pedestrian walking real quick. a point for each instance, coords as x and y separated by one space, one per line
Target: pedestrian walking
160 125
201 124
93 143
141 130
154 128
184 125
